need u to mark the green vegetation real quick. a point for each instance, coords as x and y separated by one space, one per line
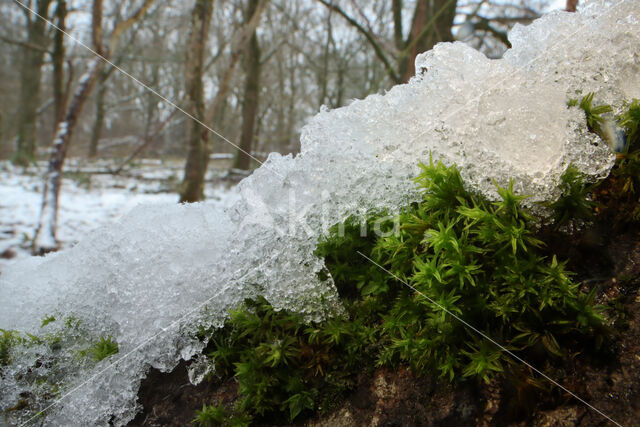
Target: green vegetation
411 286
69 337
617 199
218 415
574 203
479 260
630 121
46 320
103 348
593 113
8 339
626 187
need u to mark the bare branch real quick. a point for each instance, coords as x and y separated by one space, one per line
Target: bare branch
26 45
485 25
370 38
124 25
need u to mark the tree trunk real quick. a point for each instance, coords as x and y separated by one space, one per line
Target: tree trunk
60 91
45 237
432 22
197 136
98 124
323 74
572 5
30 77
251 95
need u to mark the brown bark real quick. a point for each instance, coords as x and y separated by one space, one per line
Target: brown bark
197 158
323 76
251 64
197 136
98 124
30 76
59 88
572 5
431 24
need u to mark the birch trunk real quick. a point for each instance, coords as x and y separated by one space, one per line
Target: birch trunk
45 236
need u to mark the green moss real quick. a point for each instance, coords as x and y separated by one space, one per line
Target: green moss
480 260
593 114
212 415
103 348
46 320
8 339
575 202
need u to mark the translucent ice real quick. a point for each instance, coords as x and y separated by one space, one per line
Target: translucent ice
152 279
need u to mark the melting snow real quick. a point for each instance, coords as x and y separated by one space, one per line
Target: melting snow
161 271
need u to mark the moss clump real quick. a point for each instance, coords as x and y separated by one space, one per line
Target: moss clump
219 415
618 197
8 339
454 250
103 348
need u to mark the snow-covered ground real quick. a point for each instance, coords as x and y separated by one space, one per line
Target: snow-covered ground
88 199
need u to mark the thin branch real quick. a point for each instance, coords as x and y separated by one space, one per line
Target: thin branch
265 58
370 38
525 19
485 25
25 45
124 25
145 143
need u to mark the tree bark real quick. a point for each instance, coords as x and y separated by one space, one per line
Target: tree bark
197 136
431 24
98 124
251 64
60 91
572 5
45 236
30 76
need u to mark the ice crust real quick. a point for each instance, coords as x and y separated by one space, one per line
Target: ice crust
151 279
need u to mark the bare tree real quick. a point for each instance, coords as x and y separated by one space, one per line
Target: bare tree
30 83
45 236
197 136
198 151
251 64
60 89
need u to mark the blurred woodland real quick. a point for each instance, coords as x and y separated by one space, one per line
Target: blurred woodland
207 79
